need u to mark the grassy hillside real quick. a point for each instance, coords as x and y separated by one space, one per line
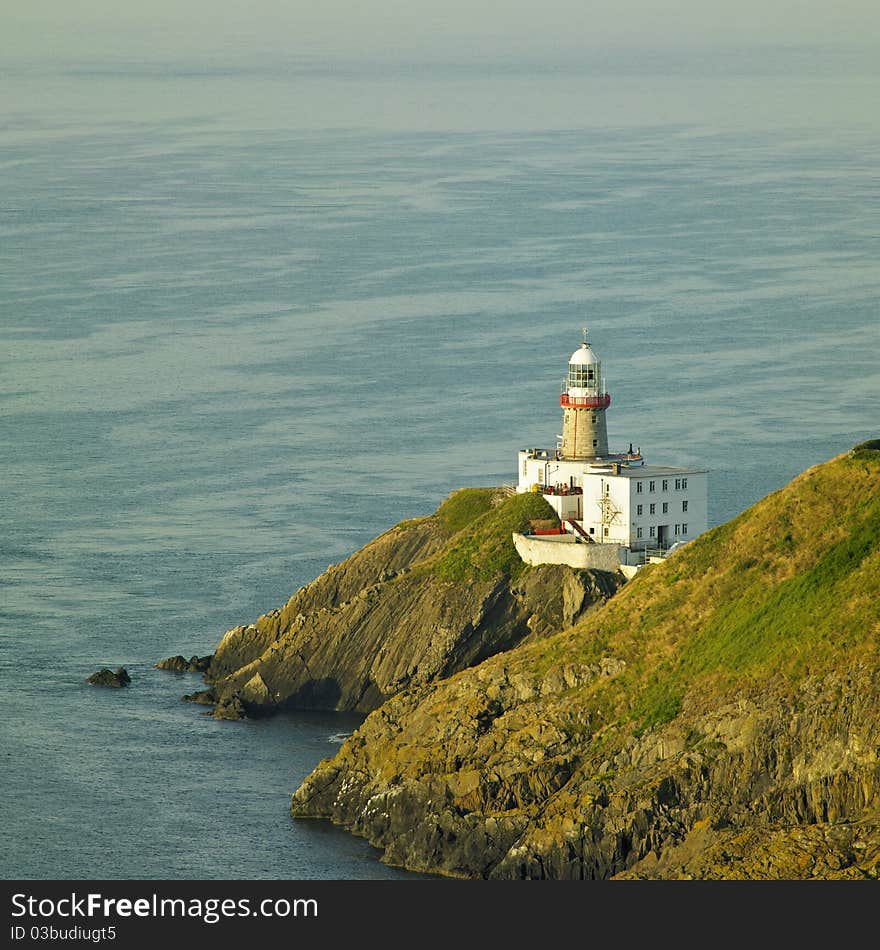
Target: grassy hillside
483 548
790 586
724 698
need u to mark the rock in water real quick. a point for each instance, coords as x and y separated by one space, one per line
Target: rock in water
203 697
180 664
230 707
108 677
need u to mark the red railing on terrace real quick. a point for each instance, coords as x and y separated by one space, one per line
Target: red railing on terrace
561 489
602 401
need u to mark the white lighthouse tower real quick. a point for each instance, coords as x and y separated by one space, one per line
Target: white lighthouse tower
615 511
584 401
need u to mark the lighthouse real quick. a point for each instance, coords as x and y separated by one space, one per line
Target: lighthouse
615 511
584 401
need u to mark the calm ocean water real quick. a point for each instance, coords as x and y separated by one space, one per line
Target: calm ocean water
249 321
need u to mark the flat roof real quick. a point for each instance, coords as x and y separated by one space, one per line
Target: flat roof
650 471
602 466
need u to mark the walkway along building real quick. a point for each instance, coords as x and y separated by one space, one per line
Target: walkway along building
616 512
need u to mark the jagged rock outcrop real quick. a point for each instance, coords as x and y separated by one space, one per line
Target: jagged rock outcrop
719 718
428 598
201 697
510 789
113 678
180 664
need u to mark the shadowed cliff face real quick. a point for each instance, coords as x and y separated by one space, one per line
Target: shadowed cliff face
719 717
426 599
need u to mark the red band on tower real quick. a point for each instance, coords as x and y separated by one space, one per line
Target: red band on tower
585 402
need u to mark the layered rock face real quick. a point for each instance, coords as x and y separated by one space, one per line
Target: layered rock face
428 598
718 718
512 785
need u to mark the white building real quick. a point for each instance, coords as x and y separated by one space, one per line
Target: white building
603 497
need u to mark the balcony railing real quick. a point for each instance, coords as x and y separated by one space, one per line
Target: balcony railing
561 490
602 401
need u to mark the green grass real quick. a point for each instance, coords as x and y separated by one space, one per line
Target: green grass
658 703
791 617
759 627
566 647
483 548
464 507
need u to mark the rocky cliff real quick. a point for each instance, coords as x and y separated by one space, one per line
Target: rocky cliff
718 718
426 599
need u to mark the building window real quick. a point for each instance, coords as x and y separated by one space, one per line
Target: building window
606 531
652 486
592 530
639 509
653 531
525 467
676 529
593 418
638 532
595 442
652 510
678 484
665 484
684 484
665 507
638 488
684 506
684 529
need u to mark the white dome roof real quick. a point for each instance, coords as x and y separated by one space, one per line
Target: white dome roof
583 355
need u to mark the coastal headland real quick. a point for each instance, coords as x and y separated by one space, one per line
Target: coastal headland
717 716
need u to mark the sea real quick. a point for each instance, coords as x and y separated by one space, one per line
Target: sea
253 315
